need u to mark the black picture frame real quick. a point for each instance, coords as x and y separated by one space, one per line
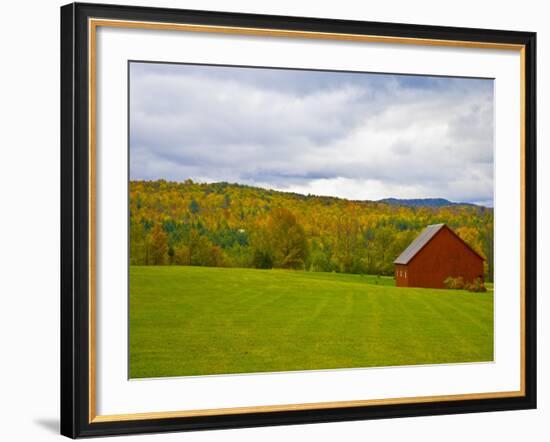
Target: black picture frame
75 219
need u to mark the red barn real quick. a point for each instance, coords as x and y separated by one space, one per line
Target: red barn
433 256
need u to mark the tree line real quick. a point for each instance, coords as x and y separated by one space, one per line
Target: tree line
232 225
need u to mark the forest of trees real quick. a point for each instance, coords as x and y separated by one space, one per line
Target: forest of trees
232 225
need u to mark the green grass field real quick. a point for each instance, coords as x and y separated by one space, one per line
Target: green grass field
200 320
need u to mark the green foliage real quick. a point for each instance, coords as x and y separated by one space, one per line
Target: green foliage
194 207
320 260
262 259
233 225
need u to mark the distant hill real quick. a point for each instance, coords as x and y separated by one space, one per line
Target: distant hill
233 225
422 202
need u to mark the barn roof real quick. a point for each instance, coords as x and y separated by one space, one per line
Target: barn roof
421 240
424 238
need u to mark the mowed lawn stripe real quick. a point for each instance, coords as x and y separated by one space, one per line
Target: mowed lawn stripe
459 333
199 320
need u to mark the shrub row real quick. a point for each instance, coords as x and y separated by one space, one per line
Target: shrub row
458 283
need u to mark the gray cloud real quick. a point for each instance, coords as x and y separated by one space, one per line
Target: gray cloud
354 135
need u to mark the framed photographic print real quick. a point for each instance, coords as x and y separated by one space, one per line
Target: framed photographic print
274 220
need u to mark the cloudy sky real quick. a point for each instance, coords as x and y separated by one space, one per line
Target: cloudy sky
352 135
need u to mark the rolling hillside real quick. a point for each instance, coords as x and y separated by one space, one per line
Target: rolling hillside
232 225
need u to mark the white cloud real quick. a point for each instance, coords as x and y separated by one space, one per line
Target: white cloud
358 136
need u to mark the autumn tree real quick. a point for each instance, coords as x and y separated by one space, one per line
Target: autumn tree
159 246
320 257
347 243
202 252
263 255
140 244
288 240
383 255
182 256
